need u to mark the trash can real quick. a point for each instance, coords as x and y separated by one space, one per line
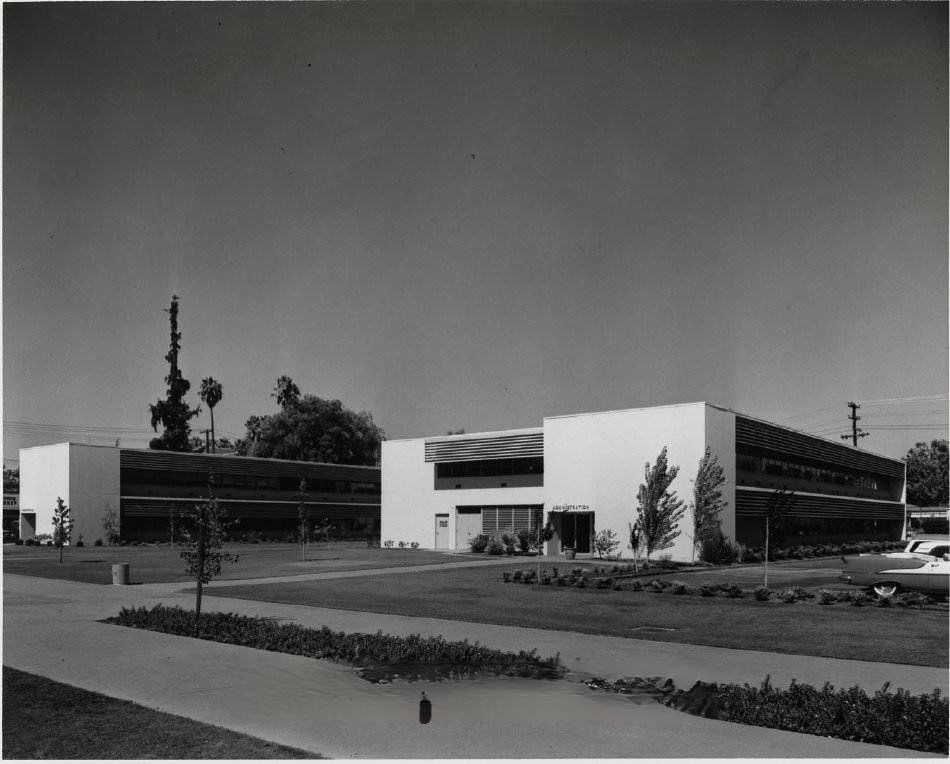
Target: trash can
120 574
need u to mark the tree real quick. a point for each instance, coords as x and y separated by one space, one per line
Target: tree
708 503
323 528
110 524
172 412
312 429
210 394
11 480
659 510
286 392
62 526
927 474
203 531
605 543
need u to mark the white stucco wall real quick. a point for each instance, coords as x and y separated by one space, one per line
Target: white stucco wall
410 501
93 486
85 476
44 476
598 460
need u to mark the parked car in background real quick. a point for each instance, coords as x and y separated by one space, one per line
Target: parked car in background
887 574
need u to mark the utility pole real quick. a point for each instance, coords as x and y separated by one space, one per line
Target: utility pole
207 441
855 431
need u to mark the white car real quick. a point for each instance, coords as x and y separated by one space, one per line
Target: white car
887 574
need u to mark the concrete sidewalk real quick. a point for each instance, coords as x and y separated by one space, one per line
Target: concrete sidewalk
51 628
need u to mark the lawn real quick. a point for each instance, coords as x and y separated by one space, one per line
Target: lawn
154 564
43 719
477 594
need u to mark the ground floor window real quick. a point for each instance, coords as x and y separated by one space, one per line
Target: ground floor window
510 519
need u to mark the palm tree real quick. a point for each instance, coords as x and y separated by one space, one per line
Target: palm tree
211 394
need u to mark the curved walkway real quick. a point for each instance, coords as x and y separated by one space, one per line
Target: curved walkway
52 628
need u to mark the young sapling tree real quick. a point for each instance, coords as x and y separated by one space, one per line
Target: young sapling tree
204 531
62 526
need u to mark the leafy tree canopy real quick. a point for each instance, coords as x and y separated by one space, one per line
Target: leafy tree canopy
308 428
659 510
927 474
11 480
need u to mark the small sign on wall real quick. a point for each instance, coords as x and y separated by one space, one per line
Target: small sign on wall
571 508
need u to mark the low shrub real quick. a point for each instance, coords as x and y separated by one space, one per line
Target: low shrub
478 543
762 593
402 545
636 586
846 596
524 540
708 590
97 542
912 599
678 587
359 649
414 544
899 719
562 580
545 580
789 595
509 543
388 543
827 597
581 583
734 591
506 576
883 602
495 547
517 575
860 599
655 586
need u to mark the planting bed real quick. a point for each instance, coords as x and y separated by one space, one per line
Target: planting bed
899 719
380 657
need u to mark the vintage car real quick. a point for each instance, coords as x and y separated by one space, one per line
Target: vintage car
887 574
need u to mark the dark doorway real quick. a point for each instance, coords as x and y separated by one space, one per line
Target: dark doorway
576 528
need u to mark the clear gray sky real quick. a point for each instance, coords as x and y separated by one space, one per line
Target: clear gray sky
475 215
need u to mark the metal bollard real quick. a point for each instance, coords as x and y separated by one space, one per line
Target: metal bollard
425 710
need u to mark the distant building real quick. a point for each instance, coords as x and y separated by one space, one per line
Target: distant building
11 512
581 473
148 489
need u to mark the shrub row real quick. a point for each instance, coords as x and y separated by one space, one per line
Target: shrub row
388 544
729 552
366 650
898 719
578 577
788 595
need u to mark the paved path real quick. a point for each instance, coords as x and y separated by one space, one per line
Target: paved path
51 628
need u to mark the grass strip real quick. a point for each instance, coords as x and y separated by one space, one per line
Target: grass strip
441 657
898 719
43 719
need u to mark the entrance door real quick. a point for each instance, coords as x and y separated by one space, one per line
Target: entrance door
442 532
576 529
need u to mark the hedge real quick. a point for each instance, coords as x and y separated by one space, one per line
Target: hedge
898 719
441 657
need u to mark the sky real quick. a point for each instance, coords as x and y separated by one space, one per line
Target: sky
472 216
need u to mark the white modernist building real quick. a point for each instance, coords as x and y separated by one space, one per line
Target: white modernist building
581 473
